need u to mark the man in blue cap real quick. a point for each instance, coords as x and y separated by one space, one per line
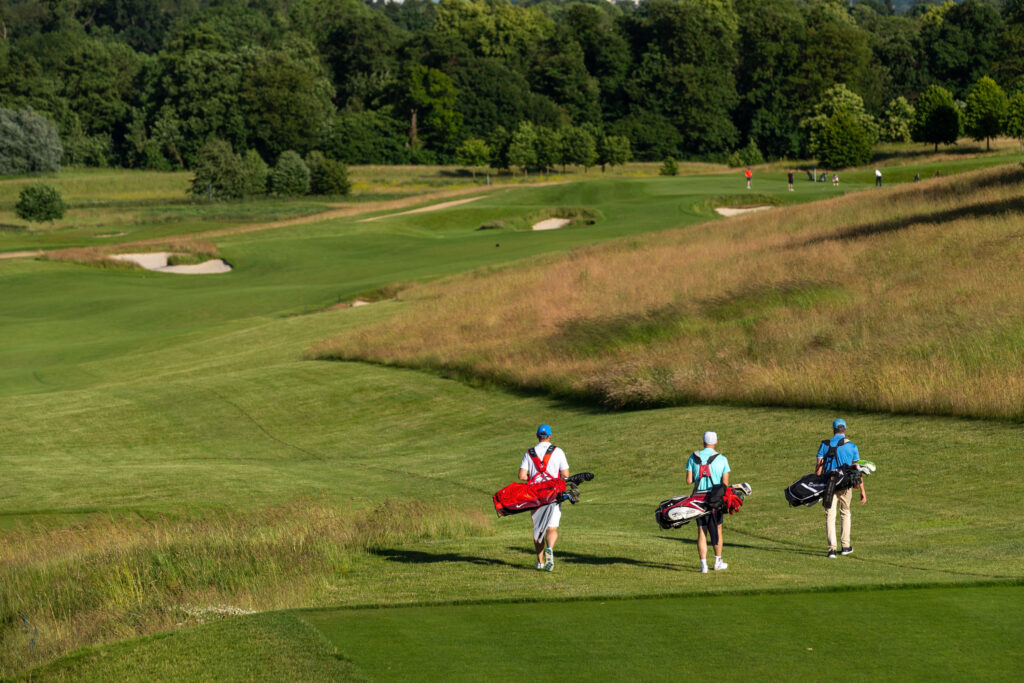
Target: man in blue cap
544 461
832 454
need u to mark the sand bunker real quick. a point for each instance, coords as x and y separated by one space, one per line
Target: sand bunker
736 211
552 223
157 261
424 209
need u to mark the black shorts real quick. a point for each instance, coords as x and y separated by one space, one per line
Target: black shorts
712 518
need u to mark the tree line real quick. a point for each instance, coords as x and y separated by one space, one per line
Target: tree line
530 85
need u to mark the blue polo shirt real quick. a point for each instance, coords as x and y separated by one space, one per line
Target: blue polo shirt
718 468
845 454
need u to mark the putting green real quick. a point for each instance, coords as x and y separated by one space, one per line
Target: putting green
916 634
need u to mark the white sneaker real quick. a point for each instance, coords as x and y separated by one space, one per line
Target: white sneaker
539 566
703 569
719 566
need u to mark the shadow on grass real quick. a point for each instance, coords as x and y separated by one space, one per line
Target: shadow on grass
420 557
601 560
979 210
766 548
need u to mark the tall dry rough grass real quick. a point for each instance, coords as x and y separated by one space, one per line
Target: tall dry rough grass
907 299
112 578
100 256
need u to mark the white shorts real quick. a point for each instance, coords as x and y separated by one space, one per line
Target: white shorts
544 518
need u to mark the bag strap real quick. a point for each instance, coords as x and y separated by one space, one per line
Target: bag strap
541 465
833 451
701 465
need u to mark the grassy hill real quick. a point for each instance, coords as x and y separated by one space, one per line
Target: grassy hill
174 459
902 300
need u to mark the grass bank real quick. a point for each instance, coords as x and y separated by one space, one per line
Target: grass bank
107 578
900 300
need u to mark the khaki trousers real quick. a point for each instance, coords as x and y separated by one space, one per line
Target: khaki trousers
842 500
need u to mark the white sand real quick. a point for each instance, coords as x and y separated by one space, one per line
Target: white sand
552 223
157 261
728 211
361 302
424 209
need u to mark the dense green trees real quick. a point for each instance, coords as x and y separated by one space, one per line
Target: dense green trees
985 110
937 117
147 83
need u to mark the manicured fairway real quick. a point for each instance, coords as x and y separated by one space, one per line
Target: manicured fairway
916 634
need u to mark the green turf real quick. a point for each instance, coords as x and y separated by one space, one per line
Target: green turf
124 392
917 634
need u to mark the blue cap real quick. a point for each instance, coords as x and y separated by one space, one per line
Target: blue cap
543 431
838 422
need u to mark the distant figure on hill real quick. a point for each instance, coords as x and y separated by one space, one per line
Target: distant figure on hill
706 468
917 177
832 454
878 178
748 173
938 174
789 180
544 461
835 180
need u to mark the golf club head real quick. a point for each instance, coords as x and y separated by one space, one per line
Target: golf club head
865 466
742 488
579 477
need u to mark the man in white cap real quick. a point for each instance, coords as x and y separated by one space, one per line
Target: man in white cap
832 454
706 468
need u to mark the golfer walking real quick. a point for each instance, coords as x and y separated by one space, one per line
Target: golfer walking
832 454
545 461
706 468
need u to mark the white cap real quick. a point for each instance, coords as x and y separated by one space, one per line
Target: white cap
710 438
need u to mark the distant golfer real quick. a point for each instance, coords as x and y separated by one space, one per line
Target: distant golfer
878 178
789 180
706 468
748 173
542 461
832 454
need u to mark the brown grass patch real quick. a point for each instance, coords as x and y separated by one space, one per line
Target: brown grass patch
113 578
907 299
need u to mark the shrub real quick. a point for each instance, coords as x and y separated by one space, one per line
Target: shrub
218 173
327 176
843 142
746 156
254 172
670 167
29 143
40 203
290 176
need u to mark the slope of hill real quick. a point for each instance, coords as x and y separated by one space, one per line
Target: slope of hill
907 299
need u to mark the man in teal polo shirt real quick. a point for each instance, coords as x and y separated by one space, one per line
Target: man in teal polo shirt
706 468
832 454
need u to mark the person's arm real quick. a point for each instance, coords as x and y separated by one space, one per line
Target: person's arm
725 478
817 468
564 474
523 474
863 493
689 477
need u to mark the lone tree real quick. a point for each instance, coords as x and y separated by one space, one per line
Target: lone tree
613 150
38 203
473 152
938 119
29 143
986 110
843 142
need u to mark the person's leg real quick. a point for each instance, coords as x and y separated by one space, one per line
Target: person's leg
538 546
846 518
702 544
721 542
830 524
552 536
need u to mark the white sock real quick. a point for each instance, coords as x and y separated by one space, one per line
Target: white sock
718 559
703 564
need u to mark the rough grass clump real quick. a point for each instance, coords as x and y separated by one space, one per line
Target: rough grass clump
113 578
906 300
